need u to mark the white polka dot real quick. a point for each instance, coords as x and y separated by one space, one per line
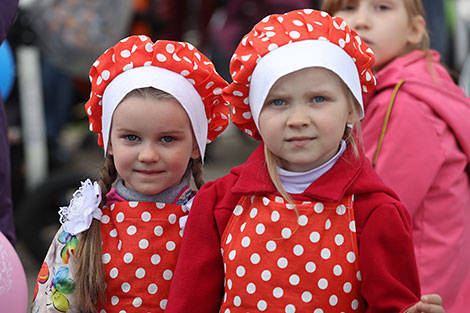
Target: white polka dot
282 262
155 259
339 239
170 48
266 275
310 267
229 238
238 210
137 302
131 230
119 217
229 284
294 280
270 246
351 257
170 246
318 207
337 270
253 212
167 274
185 72
105 219
328 224
347 287
161 57
355 304
146 216
125 287
128 257
262 305
325 253
297 23
260 229
246 241
160 205
341 209
251 288
106 258
318 311
272 46
294 34
172 218
278 292
152 289
298 250
286 233
352 226
359 276
275 216
133 204
119 245
143 244
314 237
237 301
232 255
279 199
163 304
217 91
158 230
113 273
322 283
290 308
209 85
240 271
114 300
140 273
105 74
333 300
306 296
255 258
242 228
149 47
303 220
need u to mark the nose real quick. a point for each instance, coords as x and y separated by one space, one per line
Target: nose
360 19
149 153
298 117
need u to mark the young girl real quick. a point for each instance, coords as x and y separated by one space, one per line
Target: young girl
423 152
305 225
154 107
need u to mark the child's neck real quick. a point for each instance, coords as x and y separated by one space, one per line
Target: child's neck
166 196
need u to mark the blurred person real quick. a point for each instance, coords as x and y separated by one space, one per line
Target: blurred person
154 106
416 132
7 13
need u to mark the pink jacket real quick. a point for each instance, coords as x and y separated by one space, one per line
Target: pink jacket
424 158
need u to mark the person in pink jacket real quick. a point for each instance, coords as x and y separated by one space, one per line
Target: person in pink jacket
423 150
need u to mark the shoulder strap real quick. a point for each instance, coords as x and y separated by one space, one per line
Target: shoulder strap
386 119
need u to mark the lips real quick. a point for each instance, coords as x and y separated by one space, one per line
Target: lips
299 140
149 172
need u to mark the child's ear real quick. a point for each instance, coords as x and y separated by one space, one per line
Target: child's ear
110 148
417 30
195 152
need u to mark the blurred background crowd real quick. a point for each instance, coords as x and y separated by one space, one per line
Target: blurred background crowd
44 65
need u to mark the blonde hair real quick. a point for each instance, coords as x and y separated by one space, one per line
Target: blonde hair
352 138
90 282
413 8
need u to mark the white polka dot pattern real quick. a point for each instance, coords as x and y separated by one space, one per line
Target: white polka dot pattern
141 243
275 31
303 262
179 57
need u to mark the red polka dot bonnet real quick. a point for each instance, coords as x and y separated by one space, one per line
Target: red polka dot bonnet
284 43
177 68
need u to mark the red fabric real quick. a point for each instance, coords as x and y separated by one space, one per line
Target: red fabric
386 257
278 30
179 57
141 241
278 259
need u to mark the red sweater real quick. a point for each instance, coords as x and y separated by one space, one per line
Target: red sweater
386 258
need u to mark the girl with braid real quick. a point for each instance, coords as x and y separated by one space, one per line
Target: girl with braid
155 106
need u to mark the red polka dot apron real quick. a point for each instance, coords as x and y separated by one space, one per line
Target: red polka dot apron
141 242
280 260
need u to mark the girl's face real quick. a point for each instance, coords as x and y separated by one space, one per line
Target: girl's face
304 117
151 142
384 25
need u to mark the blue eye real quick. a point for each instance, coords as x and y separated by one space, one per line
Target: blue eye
318 99
132 137
167 139
278 102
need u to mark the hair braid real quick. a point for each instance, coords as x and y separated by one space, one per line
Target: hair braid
196 169
89 273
